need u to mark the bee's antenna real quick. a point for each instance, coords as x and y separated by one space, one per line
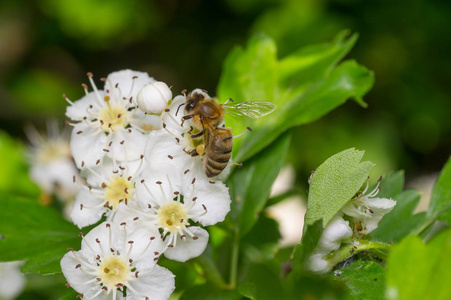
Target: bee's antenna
179 108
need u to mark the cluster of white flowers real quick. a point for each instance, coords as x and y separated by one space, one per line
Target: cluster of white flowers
52 167
365 211
132 149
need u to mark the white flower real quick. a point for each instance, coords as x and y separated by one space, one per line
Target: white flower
173 143
113 261
154 97
367 210
51 165
335 232
12 282
109 122
174 206
110 187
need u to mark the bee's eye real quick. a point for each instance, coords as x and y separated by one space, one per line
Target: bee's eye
190 105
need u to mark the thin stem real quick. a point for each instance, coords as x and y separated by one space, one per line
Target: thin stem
355 246
234 262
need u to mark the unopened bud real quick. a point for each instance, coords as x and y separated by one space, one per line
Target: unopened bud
154 97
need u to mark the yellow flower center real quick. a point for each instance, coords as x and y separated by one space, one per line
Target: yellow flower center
52 150
113 117
172 216
117 190
113 270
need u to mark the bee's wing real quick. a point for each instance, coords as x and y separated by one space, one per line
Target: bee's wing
251 109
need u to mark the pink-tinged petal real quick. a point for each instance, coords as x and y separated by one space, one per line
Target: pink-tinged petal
188 248
87 145
157 284
80 108
87 209
127 145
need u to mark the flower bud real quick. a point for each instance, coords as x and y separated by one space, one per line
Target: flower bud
154 97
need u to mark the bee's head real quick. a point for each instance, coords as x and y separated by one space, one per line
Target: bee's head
190 104
193 99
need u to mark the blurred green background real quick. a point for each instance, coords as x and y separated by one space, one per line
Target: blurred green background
47 46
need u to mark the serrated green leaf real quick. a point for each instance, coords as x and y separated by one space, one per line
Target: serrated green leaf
250 186
254 73
334 183
34 233
420 271
365 280
440 204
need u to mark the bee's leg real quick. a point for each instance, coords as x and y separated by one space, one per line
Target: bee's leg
197 135
187 117
237 136
192 152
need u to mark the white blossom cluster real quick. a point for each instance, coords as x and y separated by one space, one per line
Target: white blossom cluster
152 196
365 211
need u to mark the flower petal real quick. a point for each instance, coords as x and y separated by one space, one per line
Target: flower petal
336 230
157 284
128 81
127 145
80 108
215 196
75 276
188 248
87 146
90 213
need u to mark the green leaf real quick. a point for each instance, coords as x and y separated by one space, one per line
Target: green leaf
34 233
208 292
262 283
365 280
14 176
260 243
391 185
420 271
312 62
440 205
250 74
334 183
70 295
304 85
401 221
250 186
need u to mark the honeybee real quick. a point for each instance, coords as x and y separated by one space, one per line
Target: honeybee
208 116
